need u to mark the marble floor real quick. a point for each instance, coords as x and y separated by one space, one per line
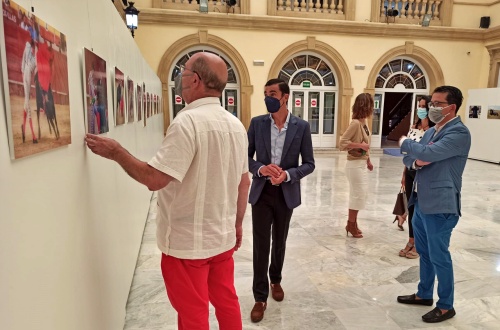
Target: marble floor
336 282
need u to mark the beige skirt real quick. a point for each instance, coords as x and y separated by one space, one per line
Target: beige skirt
356 173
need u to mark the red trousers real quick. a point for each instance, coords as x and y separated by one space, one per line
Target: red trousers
191 284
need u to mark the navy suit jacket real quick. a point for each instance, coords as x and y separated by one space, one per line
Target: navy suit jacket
439 183
297 142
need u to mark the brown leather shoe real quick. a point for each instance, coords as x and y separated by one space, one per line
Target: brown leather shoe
277 292
257 313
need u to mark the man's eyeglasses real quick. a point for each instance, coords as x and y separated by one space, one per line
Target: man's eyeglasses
183 68
436 103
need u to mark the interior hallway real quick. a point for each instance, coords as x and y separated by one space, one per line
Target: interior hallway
334 282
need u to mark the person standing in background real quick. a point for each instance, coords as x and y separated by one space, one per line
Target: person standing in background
356 140
277 139
416 133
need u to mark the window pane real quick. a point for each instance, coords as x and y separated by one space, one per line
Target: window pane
400 79
380 82
177 103
421 84
386 71
283 76
329 79
395 65
376 114
408 66
231 76
416 72
231 101
323 69
289 67
329 113
300 61
313 62
313 117
307 76
298 104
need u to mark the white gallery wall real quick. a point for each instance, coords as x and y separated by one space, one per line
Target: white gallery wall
485 130
71 222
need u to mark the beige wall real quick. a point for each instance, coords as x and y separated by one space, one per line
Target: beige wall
460 69
70 222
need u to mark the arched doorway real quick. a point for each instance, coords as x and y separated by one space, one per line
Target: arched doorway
418 55
337 65
221 46
230 96
398 87
313 95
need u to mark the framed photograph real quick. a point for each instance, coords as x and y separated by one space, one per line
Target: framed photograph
475 111
35 82
144 103
494 112
95 93
138 103
119 90
130 100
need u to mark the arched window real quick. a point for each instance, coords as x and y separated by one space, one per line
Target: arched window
403 72
313 95
230 95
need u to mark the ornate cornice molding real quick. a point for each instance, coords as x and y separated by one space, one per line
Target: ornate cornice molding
313 26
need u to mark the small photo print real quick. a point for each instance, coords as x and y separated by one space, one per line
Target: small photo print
95 93
130 100
138 103
475 111
494 112
119 97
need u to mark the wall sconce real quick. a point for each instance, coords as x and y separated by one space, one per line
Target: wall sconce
131 15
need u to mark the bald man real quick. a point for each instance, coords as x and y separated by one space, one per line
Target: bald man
201 176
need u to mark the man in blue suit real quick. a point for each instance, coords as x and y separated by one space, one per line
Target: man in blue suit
278 139
440 159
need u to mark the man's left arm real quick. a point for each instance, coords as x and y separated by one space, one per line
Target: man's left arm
307 154
450 145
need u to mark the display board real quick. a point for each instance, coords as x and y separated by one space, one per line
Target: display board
482 114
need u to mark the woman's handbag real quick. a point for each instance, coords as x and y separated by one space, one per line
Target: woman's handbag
401 206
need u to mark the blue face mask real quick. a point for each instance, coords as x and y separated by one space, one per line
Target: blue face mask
272 104
422 113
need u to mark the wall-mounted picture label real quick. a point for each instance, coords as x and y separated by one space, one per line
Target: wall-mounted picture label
119 106
95 93
35 81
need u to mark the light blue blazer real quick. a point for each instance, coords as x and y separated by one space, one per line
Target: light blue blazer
439 183
298 142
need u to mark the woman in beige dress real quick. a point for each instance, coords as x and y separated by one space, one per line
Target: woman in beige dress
356 140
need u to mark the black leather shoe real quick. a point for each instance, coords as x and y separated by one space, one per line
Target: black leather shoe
435 315
412 299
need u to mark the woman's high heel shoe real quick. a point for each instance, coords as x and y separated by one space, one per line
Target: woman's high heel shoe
353 229
401 220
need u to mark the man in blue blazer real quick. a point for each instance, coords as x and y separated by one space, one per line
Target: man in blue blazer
278 139
440 159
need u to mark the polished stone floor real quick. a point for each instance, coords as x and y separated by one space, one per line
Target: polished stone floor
336 282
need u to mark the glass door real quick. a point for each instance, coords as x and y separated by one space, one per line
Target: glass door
318 109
